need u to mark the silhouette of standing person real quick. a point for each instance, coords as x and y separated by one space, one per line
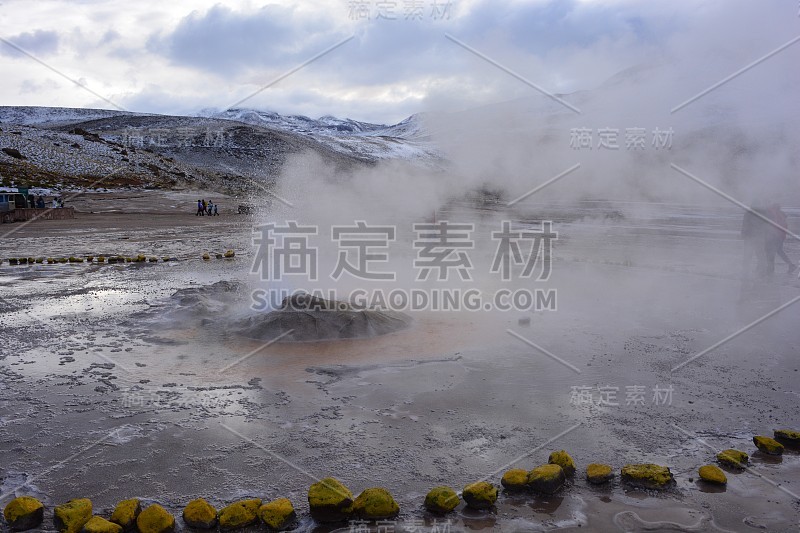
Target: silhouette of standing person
776 238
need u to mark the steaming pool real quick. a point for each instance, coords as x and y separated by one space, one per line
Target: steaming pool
162 400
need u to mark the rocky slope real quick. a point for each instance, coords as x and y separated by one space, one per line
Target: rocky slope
235 151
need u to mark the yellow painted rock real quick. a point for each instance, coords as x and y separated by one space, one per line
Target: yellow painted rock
563 459
126 512
155 519
206 257
98 524
229 254
239 514
24 513
200 514
376 504
278 514
712 474
788 437
546 479
515 479
597 473
70 517
768 445
441 500
330 501
731 457
647 476
480 495
101 259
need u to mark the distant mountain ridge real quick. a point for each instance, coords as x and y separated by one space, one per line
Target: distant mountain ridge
227 150
406 140
409 128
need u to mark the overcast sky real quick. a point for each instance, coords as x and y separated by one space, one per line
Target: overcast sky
182 57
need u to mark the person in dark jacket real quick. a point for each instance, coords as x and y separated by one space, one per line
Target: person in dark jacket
775 239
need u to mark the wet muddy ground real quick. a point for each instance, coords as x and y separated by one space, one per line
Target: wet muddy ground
113 389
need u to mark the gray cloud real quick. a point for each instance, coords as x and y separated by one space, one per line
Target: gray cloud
38 86
393 68
38 42
109 37
225 42
542 27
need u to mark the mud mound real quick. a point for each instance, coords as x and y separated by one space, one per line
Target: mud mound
304 318
208 300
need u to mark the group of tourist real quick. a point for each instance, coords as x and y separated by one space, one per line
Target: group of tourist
37 202
206 208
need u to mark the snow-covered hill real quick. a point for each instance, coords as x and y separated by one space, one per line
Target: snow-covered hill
351 139
327 125
57 147
406 140
35 116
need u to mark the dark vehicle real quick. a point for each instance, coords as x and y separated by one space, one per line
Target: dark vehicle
9 201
